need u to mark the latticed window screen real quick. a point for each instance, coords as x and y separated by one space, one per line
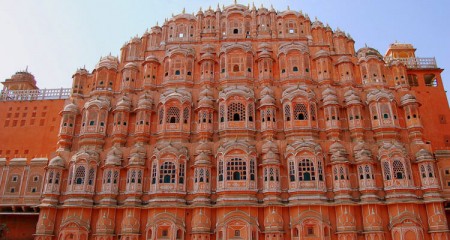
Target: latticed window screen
294 64
79 175
312 108
387 171
58 175
236 169
265 174
186 115
177 67
287 112
306 171
207 175
222 113
343 173
250 112
236 112
300 111
167 173
201 175
320 170
173 115
91 176
399 169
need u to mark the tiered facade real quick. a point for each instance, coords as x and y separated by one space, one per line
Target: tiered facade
246 123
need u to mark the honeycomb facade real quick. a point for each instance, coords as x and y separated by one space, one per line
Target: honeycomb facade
246 123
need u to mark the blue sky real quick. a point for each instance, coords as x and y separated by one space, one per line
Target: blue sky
54 38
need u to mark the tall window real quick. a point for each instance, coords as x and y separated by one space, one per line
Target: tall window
387 171
181 173
220 170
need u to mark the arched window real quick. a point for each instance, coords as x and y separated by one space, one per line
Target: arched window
423 172
167 173
161 115
222 113
236 169
80 174
252 169
236 112
306 171
399 169
173 115
108 177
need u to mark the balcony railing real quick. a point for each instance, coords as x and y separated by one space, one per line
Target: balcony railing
414 62
35 94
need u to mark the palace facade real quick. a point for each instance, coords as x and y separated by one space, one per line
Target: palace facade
234 123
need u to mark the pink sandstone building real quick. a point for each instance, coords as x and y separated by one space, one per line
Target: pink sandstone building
235 123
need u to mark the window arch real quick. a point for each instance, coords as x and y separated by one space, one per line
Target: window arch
300 111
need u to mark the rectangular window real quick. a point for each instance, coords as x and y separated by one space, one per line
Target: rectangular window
237 233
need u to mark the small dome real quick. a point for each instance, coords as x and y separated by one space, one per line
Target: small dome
130 65
206 102
317 24
114 157
145 101
407 98
270 157
23 76
367 52
424 155
124 103
137 155
71 107
109 62
351 97
361 152
329 97
203 147
151 58
57 162
81 71
338 152
202 159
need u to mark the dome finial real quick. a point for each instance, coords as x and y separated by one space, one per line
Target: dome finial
184 11
235 2
288 8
